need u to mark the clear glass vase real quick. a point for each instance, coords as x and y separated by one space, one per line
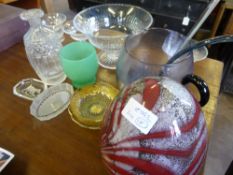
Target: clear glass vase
42 49
54 22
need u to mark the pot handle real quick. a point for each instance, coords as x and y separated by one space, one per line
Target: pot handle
201 86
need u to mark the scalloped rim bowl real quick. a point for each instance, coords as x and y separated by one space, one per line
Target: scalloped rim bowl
80 28
108 25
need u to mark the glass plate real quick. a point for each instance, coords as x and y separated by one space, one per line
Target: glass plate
29 88
52 102
88 105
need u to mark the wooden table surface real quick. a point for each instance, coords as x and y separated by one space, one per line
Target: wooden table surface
60 146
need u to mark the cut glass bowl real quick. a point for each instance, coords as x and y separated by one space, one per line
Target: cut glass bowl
107 26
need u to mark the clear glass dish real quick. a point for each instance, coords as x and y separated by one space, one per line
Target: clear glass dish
52 102
29 88
107 26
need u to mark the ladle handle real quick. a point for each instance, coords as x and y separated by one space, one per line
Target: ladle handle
201 86
211 41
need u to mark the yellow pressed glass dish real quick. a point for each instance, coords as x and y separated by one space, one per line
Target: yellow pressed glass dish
88 105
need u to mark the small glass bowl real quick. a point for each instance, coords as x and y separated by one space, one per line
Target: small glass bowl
52 102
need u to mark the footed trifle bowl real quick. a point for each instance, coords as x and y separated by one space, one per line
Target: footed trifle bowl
107 26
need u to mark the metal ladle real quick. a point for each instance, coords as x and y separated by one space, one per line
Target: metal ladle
211 41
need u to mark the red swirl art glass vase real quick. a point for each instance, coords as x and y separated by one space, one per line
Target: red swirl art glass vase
176 139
